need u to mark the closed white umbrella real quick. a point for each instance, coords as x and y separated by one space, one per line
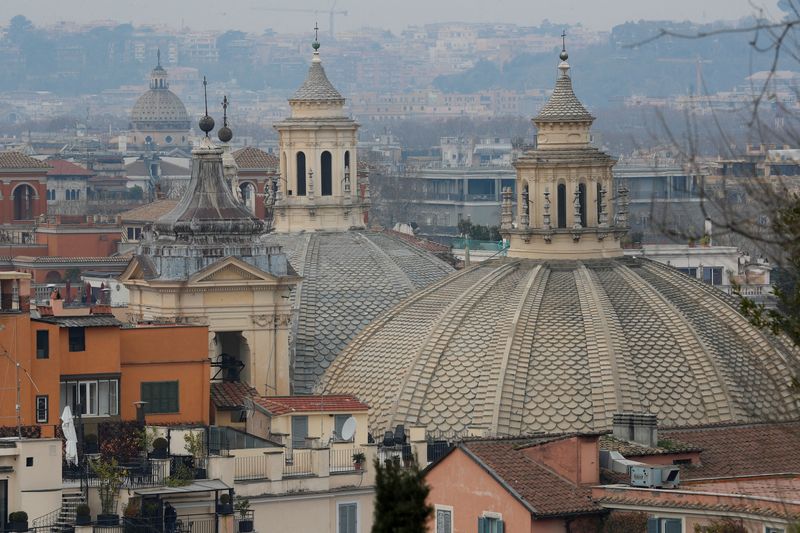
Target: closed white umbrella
68 428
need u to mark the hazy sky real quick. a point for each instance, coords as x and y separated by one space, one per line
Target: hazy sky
256 15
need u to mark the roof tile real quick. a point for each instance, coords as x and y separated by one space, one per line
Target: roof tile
281 405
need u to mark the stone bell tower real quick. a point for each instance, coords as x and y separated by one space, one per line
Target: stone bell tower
565 189
318 188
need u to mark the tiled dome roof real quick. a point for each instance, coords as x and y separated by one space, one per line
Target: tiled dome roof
160 106
349 278
518 346
316 87
563 105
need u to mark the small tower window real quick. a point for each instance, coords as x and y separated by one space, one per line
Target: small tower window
561 205
327 173
301 174
347 160
582 202
599 201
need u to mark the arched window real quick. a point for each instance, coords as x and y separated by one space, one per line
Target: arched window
327 173
561 205
599 201
347 160
248 192
582 202
301 174
23 202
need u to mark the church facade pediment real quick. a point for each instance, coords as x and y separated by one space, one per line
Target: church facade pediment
230 269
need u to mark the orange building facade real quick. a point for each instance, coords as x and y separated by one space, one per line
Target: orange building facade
90 361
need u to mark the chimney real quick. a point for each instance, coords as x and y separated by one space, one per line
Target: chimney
639 428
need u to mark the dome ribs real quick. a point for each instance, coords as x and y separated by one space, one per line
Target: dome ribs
615 390
694 369
759 383
415 387
508 401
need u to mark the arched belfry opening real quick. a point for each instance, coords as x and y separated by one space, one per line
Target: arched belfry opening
301 174
561 205
24 196
326 161
582 203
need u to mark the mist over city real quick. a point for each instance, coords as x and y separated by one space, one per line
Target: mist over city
347 266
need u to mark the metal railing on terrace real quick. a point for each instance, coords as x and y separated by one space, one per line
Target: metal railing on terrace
341 459
298 463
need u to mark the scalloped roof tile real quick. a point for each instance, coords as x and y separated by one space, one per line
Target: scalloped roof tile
317 87
563 105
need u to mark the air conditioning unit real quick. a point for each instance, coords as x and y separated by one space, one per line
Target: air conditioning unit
650 476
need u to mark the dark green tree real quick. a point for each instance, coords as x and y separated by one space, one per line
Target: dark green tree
400 495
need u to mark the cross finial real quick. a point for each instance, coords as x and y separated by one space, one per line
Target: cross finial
158 54
315 44
225 110
563 40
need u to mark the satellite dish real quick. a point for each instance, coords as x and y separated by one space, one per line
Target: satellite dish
349 428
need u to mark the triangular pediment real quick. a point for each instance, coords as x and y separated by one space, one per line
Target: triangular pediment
136 269
230 269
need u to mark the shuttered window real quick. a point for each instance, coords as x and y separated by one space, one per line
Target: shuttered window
42 344
488 524
161 396
348 518
444 521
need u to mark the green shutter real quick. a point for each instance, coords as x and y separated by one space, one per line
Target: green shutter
672 525
483 525
652 525
500 526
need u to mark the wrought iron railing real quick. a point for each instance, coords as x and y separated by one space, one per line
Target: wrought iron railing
253 467
341 459
297 463
143 473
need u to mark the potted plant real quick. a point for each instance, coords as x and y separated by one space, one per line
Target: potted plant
18 521
159 448
111 476
245 519
358 460
90 446
225 506
194 445
83 515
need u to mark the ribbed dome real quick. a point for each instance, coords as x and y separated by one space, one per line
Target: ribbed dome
515 346
160 109
349 278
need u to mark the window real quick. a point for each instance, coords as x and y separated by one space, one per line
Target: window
444 519
301 174
327 173
561 206
347 521
691 272
42 410
664 525
161 396
77 339
768 529
299 431
712 275
582 203
93 397
42 344
338 424
490 524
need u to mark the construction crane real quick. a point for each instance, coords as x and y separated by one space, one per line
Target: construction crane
332 12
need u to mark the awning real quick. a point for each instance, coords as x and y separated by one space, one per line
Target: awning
205 485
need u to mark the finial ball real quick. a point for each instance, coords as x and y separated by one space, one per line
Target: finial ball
206 124
225 134
563 55
315 45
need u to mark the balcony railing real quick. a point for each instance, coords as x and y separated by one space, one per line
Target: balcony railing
341 459
297 463
136 474
253 467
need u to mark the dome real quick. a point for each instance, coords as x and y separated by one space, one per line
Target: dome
348 279
515 346
159 109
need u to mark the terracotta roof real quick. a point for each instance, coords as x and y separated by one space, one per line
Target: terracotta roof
251 157
740 450
631 449
9 160
423 244
544 492
61 167
719 508
149 212
86 321
280 405
230 395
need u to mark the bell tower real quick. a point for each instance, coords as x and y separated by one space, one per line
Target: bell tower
318 188
564 187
